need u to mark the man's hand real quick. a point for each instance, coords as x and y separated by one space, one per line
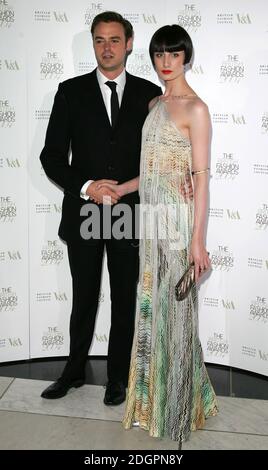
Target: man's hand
103 195
186 189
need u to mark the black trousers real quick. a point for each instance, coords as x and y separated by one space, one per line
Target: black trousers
86 267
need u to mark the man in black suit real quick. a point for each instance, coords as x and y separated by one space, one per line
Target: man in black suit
101 124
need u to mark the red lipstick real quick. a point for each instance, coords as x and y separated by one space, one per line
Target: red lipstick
166 72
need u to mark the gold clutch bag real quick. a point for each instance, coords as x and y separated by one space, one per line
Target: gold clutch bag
185 283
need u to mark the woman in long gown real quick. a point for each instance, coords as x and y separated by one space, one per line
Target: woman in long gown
169 391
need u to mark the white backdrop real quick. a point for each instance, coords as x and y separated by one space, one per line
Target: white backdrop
43 42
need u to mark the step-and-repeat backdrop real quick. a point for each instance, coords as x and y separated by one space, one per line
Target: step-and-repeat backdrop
43 42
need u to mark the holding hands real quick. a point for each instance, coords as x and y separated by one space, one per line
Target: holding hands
104 191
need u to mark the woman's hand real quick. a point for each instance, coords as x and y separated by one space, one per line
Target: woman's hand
199 255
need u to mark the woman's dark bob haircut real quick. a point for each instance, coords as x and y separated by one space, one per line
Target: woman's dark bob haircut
171 38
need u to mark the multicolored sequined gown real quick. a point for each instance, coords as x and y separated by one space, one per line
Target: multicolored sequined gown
169 391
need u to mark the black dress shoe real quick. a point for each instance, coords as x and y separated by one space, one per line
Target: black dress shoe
115 393
60 388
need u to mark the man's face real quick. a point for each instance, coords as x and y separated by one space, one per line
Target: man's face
110 47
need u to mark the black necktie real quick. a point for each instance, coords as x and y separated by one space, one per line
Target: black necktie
114 102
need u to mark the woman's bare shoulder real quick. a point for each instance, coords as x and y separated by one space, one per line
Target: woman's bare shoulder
191 107
197 105
196 108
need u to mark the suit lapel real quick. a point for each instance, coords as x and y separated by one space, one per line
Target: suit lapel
126 100
97 105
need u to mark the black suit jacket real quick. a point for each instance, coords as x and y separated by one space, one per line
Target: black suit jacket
79 124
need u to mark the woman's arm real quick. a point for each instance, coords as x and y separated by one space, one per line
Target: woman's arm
200 136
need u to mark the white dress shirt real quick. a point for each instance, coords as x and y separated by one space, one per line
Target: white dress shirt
106 95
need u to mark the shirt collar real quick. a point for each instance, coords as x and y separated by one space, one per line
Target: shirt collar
120 80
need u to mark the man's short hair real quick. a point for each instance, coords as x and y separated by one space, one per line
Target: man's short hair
112 16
